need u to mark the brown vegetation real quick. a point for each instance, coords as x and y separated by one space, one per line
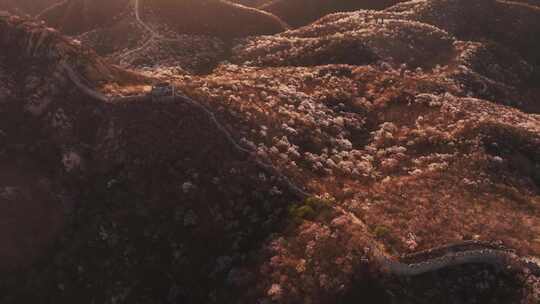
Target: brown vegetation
407 134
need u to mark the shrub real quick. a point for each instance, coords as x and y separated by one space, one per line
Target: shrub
381 231
305 212
311 208
319 203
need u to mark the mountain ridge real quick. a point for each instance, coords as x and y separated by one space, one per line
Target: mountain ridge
316 164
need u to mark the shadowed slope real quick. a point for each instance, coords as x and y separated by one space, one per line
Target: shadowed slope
214 17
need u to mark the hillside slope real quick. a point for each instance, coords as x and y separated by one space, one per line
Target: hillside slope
372 156
484 58
96 173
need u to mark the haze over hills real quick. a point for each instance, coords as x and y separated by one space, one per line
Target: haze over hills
78 16
212 17
160 151
31 7
302 12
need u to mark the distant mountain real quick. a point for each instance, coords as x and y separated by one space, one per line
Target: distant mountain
30 7
301 12
204 17
74 17
214 18
252 3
